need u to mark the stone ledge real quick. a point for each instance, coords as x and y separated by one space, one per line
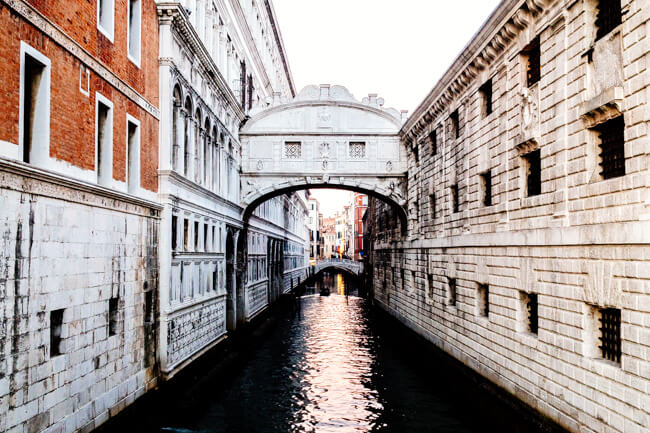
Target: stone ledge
603 107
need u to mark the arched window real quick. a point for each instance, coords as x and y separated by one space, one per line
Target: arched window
197 145
215 159
187 136
177 137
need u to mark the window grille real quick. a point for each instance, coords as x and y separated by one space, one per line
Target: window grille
454 198
292 150
608 18
533 317
357 150
612 148
533 63
486 95
433 139
486 179
610 334
451 296
533 173
432 205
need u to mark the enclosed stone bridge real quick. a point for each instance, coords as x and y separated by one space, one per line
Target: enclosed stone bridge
350 266
324 138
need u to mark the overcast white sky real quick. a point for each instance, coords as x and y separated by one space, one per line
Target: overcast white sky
396 48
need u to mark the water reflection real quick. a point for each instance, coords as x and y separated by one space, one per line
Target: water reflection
336 368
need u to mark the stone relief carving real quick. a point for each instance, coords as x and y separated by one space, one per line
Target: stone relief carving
600 288
389 166
324 117
529 112
324 150
260 165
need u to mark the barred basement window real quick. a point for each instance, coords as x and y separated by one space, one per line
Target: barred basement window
533 172
174 232
112 316
292 150
357 150
486 98
433 139
451 291
455 123
56 326
531 57
612 147
486 187
454 198
532 310
609 17
483 300
610 334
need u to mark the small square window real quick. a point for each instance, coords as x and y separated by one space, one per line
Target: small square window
56 330
533 173
292 150
486 188
530 306
532 61
612 147
483 300
486 98
357 150
451 291
610 334
609 16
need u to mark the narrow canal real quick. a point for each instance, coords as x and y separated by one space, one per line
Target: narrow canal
335 365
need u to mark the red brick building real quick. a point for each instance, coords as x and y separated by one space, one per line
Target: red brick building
78 181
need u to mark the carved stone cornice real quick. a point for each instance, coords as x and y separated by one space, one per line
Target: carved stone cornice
608 105
496 35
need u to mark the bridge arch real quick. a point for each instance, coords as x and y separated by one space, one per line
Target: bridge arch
324 138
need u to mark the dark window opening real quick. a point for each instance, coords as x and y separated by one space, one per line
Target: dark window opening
533 62
242 84
432 205
196 235
174 231
205 237
610 334
483 300
148 308
454 198
486 183
56 326
112 316
609 16
31 98
430 282
433 139
612 147
533 173
533 317
451 295
455 123
250 92
186 234
486 98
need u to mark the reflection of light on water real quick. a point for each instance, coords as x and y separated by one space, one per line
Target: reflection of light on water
340 284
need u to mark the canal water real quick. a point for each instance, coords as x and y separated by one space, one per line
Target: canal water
333 364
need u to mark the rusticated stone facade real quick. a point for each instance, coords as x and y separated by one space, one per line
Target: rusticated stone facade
78 296
528 245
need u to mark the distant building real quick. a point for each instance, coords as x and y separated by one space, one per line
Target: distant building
314 224
360 202
328 230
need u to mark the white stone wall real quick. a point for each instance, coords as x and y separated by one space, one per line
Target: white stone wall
72 247
581 245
